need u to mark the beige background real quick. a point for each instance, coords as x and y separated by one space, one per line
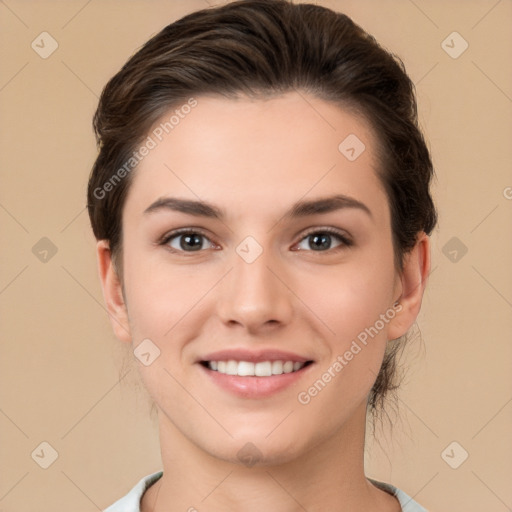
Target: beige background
60 363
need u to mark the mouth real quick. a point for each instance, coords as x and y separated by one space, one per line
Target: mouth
255 369
253 374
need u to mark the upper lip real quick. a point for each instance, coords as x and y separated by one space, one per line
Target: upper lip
254 356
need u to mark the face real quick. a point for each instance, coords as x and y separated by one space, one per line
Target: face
289 265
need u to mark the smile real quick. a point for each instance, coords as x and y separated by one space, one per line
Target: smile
259 369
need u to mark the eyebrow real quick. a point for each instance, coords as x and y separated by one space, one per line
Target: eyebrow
299 209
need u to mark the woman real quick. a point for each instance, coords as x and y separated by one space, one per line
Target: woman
262 209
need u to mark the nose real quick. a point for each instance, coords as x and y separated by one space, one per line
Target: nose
255 296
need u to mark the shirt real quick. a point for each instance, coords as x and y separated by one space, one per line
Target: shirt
131 502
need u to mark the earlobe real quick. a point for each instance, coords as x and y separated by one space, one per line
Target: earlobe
112 292
413 278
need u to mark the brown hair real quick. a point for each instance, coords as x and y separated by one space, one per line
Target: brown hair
261 48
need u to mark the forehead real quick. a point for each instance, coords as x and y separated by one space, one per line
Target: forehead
243 151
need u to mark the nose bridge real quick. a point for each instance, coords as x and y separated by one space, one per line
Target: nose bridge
253 295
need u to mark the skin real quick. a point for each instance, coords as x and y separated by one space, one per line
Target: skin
255 159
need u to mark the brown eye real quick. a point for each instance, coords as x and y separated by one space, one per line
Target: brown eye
187 241
323 240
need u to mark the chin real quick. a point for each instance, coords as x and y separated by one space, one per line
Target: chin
259 450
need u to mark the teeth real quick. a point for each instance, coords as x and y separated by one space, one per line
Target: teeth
277 367
288 367
261 369
244 368
231 368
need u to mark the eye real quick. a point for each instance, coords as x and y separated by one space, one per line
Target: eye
192 240
187 240
322 240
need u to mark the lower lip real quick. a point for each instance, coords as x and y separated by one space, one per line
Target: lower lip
255 387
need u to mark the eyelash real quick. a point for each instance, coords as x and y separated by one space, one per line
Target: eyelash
345 241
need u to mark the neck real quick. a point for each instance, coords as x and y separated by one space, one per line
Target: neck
328 476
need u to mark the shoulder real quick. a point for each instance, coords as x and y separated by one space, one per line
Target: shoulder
131 502
407 503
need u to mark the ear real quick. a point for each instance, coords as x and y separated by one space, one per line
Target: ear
112 292
413 280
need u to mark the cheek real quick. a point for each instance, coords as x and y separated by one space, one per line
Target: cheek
356 306
351 297
354 301
161 295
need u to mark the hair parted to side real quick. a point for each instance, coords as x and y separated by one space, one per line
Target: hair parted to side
263 48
